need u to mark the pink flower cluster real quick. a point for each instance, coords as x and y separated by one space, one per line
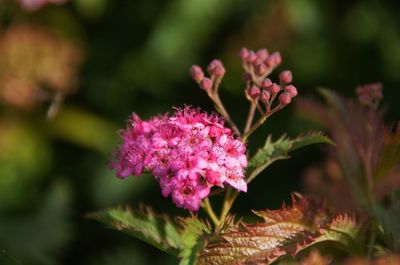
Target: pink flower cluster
188 153
32 5
370 94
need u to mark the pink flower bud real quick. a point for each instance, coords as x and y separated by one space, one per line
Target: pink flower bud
247 77
213 65
262 54
253 92
219 71
266 83
251 57
197 73
257 62
284 99
206 84
244 53
292 90
261 69
274 59
274 88
286 77
265 96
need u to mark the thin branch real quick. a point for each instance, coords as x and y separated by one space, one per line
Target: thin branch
221 109
210 211
250 117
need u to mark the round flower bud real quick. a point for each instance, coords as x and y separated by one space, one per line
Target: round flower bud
253 92
274 59
257 62
266 83
206 84
213 65
261 69
274 88
286 77
284 99
197 73
251 57
219 71
244 53
262 54
265 96
292 90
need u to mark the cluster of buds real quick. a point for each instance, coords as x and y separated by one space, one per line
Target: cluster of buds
258 65
370 94
260 90
210 83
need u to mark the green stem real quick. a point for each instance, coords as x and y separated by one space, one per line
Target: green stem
260 122
230 197
209 210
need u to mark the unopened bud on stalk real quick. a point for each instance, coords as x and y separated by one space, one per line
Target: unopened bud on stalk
219 71
257 62
197 73
215 64
274 88
253 92
261 69
286 77
251 57
292 90
274 59
206 84
262 54
284 98
266 83
265 96
244 53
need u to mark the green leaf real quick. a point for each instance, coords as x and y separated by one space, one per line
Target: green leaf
192 240
343 231
282 232
310 139
156 230
273 151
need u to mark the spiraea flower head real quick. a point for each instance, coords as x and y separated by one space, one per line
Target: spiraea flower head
188 152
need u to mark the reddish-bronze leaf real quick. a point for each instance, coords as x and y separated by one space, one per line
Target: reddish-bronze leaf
285 231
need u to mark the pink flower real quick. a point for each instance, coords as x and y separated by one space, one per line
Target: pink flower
188 153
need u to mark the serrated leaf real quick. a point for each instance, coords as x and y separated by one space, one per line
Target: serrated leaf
343 230
191 239
157 230
273 151
283 232
310 139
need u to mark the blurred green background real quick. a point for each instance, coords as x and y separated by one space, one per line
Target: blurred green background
137 56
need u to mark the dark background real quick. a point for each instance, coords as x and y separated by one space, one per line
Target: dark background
137 58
